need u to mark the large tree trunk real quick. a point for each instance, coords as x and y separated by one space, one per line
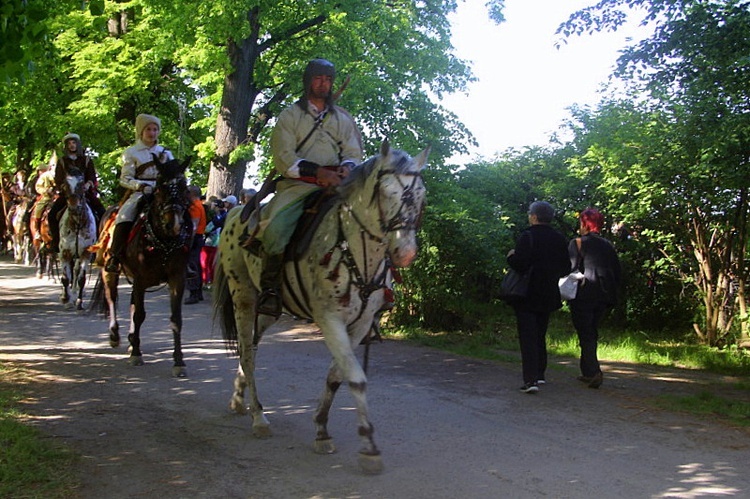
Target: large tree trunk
237 101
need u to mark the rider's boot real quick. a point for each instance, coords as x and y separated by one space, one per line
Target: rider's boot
269 300
119 240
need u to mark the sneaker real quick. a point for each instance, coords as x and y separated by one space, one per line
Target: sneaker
529 388
541 381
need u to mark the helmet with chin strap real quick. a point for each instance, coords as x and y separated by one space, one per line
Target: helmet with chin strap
317 67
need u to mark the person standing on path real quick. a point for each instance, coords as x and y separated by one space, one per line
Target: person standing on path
597 292
541 250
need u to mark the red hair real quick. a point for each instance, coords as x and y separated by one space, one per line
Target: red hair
592 220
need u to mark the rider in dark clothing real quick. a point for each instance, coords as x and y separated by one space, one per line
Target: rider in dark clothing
73 158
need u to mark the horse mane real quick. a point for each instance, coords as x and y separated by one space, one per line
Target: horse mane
355 182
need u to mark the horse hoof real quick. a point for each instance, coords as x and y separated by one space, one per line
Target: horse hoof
114 342
79 305
262 431
136 360
179 371
324 446
371 464
237 405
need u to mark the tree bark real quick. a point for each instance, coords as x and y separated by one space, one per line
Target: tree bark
238 97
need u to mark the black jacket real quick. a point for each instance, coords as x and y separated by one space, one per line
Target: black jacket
543 250
601 268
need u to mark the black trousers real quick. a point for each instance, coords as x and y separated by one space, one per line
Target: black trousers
586 317
532 337
194 284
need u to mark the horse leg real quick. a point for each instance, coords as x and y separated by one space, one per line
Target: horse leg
341 346
323 441
243 298
110 282
137 316
65 280
80 283
175 322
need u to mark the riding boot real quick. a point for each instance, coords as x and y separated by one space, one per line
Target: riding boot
269 301
119 241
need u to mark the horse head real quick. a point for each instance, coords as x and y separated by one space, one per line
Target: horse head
74 188
171 196
398 194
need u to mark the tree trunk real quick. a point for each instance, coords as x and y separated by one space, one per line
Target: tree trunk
238 97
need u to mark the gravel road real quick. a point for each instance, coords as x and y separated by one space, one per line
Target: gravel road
448 426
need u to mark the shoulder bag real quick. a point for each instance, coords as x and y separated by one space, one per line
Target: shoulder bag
569 283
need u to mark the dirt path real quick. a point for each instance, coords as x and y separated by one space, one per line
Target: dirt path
447 426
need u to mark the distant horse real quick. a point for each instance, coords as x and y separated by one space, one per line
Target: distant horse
157 253
21 234
41 240
77 234
339 281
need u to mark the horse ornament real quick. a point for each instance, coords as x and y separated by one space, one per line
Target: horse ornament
77 235
339 281
157 253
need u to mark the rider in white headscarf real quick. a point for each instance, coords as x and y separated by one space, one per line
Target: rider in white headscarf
139 177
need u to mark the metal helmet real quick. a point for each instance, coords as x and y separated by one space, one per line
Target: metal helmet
317 67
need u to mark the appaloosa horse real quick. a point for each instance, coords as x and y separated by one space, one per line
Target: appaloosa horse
22 249
157 253
77 234
339 281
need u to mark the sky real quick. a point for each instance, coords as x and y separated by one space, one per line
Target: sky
525 84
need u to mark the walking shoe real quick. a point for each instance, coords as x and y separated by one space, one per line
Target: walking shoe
585 379
597 380
192 299
529 388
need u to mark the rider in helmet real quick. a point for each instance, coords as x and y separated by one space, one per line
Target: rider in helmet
139 177
309 135
73 157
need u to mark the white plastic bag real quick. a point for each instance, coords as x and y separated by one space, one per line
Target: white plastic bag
569 285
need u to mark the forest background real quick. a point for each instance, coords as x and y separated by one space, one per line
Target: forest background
666 161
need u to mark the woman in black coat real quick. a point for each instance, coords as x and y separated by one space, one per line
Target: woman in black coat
542 250
597 292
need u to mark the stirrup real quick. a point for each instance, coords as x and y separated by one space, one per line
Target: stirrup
269 303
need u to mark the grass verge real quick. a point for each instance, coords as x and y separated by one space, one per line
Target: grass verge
31 466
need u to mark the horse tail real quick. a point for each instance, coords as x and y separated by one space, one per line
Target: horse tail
98 301
223 308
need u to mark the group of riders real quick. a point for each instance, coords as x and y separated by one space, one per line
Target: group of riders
314 144
42 196
41 200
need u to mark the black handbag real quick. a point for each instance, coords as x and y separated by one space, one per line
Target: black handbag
515 285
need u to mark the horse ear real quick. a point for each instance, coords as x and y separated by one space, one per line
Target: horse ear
186 163
421 159
385 148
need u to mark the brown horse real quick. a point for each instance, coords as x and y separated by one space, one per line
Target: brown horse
157 253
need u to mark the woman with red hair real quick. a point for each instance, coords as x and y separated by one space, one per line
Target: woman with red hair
596 258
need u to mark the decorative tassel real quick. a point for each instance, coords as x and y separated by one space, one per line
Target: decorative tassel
344 300
388 295
334 274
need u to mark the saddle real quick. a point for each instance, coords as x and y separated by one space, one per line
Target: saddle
316 206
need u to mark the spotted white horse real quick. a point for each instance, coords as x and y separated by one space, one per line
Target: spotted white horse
77 234
339 281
